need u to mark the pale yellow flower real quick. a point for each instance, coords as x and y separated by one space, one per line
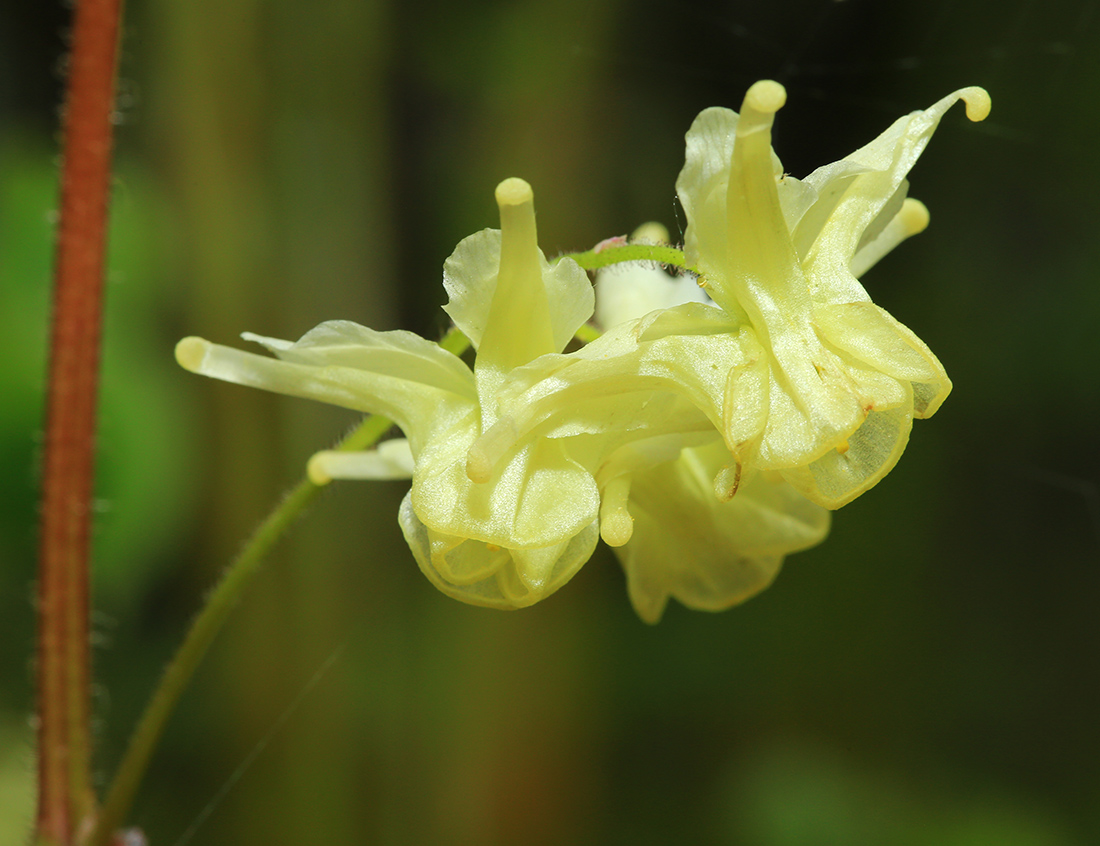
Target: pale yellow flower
844 379
524 531
703 439
673 534
794 365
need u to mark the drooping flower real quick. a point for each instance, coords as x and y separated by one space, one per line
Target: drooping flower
674 536
702 437
794 365
844 378
524 531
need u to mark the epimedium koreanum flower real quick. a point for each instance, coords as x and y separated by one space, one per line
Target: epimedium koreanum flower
793 364
787 388
674 536
527 528
844 379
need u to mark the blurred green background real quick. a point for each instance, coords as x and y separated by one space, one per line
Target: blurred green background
928 676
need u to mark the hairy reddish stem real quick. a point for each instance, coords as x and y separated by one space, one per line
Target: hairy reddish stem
66 800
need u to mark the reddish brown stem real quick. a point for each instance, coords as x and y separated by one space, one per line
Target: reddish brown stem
65 797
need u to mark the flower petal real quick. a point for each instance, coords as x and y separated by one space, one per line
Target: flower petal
401 354
709 554
632 290
422 388
609 384
485 574
702 184
535 497
870 334
859 464
874 197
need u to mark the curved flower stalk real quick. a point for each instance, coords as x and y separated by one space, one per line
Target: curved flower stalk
524 531
633 289
794 365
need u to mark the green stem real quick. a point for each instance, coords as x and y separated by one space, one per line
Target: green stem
209 621
594 260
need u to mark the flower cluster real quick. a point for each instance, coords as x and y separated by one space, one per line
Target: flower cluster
705 433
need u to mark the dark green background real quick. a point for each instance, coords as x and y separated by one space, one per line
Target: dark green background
928 676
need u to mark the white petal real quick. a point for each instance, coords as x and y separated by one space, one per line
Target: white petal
628 291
